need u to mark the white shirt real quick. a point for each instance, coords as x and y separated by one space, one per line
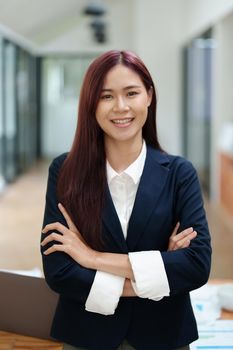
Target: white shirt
148 267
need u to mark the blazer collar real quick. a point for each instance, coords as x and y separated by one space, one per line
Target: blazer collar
152 182
150 187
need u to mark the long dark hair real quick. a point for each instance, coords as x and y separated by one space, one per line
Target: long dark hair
82 179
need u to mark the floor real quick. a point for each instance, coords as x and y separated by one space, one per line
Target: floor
21 215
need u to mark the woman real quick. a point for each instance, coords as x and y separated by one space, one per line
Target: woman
107 249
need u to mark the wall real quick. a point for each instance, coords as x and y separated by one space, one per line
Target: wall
223 34
199 15
162 28
158 26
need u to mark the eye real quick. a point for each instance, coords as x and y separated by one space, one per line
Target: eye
132 93
106 97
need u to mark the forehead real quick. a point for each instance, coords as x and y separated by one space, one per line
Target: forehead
120 76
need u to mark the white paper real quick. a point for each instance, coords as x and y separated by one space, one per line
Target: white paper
205 303
36 272
219 336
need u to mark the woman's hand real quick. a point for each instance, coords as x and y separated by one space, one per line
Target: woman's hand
70 241
70 223
182 239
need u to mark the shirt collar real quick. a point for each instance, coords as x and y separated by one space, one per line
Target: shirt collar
134 170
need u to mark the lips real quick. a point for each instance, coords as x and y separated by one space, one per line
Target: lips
122 121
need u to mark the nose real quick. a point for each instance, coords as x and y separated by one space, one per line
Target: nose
120 105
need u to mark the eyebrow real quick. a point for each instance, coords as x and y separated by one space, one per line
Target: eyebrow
125 88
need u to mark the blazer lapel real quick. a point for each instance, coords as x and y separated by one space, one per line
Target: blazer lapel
112 223
152 181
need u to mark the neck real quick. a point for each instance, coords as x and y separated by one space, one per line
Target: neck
121 154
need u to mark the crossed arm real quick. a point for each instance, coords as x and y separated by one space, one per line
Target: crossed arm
72 243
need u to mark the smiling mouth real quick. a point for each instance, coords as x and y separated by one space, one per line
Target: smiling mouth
122 121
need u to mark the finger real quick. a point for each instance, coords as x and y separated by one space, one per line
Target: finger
186 244
183 234
176 238
190 236
174 232
70 223
182 243
55 226
52 237
54 248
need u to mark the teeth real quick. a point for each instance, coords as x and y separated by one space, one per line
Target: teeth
122 121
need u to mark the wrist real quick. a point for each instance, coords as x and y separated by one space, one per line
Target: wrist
95 259
128 290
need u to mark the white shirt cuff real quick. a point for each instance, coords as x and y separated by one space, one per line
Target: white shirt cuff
105 293
150 276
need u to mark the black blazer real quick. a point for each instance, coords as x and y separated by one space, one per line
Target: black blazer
168 191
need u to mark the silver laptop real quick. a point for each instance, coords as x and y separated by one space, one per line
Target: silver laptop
27 305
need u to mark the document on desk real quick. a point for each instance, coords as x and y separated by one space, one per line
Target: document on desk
36 272
218 335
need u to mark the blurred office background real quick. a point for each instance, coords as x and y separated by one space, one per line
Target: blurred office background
45 48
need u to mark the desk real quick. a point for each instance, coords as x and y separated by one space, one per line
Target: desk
226 315
11 341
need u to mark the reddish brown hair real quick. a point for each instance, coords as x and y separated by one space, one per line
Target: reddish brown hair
82 179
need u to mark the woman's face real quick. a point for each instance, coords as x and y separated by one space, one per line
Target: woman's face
123 106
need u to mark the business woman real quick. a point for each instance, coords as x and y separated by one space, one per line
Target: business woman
107 247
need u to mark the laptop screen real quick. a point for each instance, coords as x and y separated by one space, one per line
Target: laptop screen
27 305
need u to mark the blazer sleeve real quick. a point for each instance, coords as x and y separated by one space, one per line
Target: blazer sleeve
62 273
189 268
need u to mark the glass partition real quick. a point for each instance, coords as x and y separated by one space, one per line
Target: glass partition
197 105
61 82
19 106
10 124
2 178
27 123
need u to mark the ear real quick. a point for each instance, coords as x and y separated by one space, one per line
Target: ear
150 94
